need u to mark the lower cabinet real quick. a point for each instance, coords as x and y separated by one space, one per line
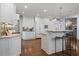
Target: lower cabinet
10 46
28 35
4 47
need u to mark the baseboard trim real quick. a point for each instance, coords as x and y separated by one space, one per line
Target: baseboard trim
45 52
51 53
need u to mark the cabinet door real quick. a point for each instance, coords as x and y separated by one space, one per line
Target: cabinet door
19 45
1 53
4 47
44 44
10 47
15 46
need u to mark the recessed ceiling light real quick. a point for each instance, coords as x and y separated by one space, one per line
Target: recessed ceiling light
25 6
60 8
45 10
22 12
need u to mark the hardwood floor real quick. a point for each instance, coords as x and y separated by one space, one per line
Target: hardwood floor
33 48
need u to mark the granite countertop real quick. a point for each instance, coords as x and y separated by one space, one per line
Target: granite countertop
43 33
59 30
11 36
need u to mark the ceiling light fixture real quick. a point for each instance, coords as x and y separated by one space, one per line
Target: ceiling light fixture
60 12
25 6
51 18
44 10
22 12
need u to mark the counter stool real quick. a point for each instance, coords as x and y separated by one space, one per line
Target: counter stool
57 38
68 48
63 39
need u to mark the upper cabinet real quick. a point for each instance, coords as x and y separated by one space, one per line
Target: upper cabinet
7 12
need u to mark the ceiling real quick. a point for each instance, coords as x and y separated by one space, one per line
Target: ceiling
56 10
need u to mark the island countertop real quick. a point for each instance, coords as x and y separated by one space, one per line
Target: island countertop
59 30
11 36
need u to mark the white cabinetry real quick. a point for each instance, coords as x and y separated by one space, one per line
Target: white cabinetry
48 41
44 44
10 46
4 48
15 46
28 35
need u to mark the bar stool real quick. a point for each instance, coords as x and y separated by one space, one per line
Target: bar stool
57 38
63 38
68 48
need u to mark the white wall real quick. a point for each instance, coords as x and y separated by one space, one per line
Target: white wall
8 12
28 22
40 22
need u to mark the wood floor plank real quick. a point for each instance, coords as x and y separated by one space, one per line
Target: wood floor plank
33 48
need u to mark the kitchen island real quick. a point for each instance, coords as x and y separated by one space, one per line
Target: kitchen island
10 45
48 41
28 35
